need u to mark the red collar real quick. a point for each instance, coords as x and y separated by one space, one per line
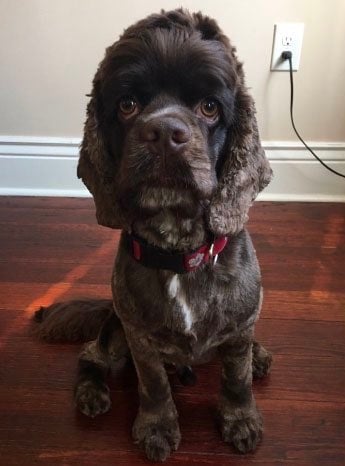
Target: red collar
157 258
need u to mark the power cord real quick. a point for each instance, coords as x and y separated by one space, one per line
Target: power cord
288 56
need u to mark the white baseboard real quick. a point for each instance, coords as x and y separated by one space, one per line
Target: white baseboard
46 166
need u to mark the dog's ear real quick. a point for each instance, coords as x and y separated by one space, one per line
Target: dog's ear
243 170
95 167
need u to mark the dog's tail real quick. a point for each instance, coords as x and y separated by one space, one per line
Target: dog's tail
72 321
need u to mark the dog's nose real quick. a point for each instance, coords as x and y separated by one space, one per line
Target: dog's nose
165 135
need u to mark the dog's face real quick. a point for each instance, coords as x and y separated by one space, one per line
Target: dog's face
169 98
167 104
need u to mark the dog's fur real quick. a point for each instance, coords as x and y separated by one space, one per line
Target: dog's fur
176 200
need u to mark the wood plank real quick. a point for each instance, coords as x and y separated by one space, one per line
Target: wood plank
296 212
303 270
21 296
50 233
31 216
53 271
49 203
315 304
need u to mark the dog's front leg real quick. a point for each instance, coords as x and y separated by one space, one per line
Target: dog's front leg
240 421
156 427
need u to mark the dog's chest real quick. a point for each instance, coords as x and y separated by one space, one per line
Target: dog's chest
179 305
193 327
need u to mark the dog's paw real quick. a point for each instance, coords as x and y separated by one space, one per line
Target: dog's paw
157 439
262 361
92 399
242 428
157 447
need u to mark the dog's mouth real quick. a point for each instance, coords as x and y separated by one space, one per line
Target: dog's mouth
150 201
150 192
153 182
172 174
141 167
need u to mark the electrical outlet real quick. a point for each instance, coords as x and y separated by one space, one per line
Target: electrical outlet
287 37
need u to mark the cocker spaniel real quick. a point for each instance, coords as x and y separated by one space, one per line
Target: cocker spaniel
172 156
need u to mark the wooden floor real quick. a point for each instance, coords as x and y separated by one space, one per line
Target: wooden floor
52 249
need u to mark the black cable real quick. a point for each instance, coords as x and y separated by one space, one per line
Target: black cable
288 56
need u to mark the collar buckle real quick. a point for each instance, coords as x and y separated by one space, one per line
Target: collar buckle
213 258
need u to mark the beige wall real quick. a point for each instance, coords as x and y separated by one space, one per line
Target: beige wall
49 51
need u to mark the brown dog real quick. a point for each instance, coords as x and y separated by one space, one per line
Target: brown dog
172 156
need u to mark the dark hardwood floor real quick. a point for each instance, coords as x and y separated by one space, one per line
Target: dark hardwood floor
52 249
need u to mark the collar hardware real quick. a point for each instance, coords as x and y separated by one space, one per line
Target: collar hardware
158 258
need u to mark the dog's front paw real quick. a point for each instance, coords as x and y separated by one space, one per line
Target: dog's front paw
156 438
242 428
92 399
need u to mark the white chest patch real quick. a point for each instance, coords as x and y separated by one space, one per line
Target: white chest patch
175 292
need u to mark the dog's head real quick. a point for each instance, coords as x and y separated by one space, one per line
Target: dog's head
170 121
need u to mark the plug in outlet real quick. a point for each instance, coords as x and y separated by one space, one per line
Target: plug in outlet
287 37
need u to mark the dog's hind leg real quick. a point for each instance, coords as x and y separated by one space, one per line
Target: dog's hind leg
262 360
91 392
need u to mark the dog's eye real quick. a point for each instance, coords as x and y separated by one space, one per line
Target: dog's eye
209 108
128 106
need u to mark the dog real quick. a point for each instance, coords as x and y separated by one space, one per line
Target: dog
172 156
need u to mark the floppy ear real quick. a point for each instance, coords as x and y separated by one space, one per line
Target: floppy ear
95 167
244 171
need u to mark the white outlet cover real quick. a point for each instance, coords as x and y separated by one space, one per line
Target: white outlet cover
287 37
